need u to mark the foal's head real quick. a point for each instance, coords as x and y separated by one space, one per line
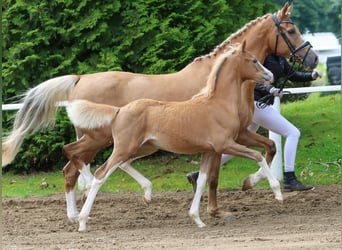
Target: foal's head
236 63
247 66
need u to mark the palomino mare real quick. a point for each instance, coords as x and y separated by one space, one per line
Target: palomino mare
267 34
144 126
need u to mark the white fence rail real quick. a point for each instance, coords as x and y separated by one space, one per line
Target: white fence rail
17 106
277 163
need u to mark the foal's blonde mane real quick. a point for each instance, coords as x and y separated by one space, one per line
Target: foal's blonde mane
231 37
209 89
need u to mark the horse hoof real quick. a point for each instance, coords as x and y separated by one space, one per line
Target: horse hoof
280 201
201 225
81 226
81 229
247 184
147 202
217 213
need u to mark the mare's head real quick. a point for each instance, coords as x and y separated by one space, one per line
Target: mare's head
287 40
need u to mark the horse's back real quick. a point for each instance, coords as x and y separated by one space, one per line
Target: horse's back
102 87
171 126
119 88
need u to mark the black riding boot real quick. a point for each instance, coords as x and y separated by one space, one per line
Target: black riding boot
292 184
192 178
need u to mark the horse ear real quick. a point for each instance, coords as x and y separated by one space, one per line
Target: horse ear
284 10
243 46
289 10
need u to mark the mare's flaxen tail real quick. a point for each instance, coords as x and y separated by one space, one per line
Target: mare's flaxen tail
90 115
38 111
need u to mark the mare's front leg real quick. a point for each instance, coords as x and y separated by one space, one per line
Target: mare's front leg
251 139
214 161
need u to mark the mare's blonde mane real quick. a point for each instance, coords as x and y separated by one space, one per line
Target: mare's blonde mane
209 89
231 37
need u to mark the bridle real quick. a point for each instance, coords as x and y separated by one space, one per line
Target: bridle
293 56
264 101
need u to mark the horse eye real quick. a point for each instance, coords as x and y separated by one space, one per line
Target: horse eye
291 31
254 60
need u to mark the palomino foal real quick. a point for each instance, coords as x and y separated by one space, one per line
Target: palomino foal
144 126
268 34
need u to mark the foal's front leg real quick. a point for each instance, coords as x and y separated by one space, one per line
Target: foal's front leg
205 168
214 162
241 150
251 139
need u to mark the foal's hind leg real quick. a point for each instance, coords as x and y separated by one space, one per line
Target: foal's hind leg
253 139
142 180
144 150
119 156
101 175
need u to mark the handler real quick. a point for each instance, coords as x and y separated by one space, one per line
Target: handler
267 117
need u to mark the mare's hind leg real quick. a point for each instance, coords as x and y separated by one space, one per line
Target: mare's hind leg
214 161
70 177
248 139
79 153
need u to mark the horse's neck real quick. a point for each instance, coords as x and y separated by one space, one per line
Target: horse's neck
247 92
196 73
246 106
255 36
228 87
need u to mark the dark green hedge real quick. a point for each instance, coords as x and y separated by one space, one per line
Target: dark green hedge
44 39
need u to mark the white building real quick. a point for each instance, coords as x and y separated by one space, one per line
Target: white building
325 44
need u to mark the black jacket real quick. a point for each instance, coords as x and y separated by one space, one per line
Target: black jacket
280 68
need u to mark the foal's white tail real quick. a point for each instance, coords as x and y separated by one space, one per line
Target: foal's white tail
89 115
38 111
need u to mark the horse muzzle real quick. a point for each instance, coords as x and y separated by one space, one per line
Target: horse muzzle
268 78
307 56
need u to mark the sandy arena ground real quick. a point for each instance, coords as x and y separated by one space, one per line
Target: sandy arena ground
306 220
